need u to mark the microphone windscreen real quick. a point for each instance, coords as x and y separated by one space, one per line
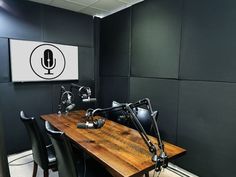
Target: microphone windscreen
85 125
100 123
89 100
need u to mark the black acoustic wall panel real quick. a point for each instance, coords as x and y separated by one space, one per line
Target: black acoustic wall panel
86 63
114 89
68 27
164 98
20 19
32 21
209 40
34 98
4 60
115 44
4 170
206 127
156 27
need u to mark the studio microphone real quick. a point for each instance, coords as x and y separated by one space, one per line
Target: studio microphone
69 103
85 100
70 107
85 125
90 125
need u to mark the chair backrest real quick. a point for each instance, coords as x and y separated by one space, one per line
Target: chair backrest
142 114
65 161
38 145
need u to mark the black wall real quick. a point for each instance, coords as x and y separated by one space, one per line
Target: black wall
31 21
180 54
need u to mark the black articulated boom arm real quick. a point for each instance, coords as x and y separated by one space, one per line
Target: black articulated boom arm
130 110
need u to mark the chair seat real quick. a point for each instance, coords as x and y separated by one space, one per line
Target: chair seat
51 155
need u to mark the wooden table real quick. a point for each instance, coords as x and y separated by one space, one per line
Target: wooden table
119 148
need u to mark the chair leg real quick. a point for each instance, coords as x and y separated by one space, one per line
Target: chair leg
45 173
146 174
35 169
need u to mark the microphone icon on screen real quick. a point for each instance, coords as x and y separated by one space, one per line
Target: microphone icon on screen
48 62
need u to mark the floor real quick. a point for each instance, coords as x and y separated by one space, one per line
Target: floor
18 170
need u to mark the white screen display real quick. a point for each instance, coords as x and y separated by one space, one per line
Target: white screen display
42 61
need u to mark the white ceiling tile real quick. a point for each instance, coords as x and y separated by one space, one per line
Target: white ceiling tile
100 8
131 1
94 12
67 5
108 5
83 2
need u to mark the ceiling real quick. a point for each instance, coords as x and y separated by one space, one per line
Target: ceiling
98 8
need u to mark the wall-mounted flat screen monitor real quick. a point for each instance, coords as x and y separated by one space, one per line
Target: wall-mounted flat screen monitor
42 61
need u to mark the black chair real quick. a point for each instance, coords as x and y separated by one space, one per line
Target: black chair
142 114
65 158
43 155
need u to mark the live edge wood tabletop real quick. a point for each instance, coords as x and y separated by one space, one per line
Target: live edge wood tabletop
120 149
